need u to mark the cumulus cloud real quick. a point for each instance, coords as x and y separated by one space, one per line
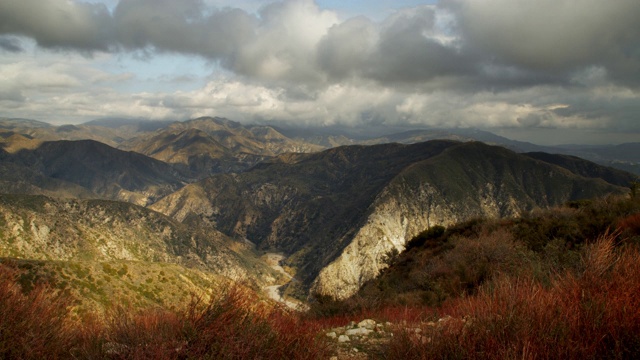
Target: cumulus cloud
495 42
285 42
58 23
492 63
555 36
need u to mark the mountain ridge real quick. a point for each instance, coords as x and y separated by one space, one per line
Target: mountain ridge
97 168
315 206
504 184
336 214
240 138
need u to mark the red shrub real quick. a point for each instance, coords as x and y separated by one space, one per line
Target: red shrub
630 225
595 315
233 325
33 325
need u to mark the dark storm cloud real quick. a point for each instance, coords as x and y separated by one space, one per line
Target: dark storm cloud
534 119
410 50
181 27
58 23
347 48
496 44
619 112
554 37
13 95
406 48
176 26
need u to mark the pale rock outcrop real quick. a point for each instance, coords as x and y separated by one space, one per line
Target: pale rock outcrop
399 213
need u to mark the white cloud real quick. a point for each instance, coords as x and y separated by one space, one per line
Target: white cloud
492 63
555 35
285 42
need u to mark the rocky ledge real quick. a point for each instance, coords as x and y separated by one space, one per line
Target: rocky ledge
366 339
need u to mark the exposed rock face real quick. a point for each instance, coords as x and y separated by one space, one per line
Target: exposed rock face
41 228
339 214
483 182
308 206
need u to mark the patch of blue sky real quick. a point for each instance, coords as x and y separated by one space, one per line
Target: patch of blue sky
161 72
376 10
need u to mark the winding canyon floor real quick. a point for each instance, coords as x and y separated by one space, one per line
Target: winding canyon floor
274 292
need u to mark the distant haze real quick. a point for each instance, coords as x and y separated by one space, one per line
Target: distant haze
546 71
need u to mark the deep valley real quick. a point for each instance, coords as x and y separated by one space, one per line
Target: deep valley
113 214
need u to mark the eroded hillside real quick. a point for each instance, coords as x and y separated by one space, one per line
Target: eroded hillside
340 213
94 232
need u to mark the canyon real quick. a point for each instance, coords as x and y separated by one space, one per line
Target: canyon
191 194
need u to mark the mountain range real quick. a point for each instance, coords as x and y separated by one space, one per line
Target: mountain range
212 195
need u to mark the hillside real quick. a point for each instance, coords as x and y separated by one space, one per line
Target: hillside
340 213
555 284
98 235
194 152
586 168
415 236
445 263
249 144
467 181
337 215
81 168
252 139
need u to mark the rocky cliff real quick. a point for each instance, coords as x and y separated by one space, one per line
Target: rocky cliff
467 181
43 228
340 213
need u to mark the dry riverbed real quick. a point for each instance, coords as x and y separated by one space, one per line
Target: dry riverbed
273 292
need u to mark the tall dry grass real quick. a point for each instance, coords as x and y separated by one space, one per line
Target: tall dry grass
33 324
591 315
235 324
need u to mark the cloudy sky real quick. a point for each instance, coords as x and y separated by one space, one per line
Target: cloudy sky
546 71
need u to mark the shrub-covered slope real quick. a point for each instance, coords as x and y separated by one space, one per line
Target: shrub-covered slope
98 235
444 263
